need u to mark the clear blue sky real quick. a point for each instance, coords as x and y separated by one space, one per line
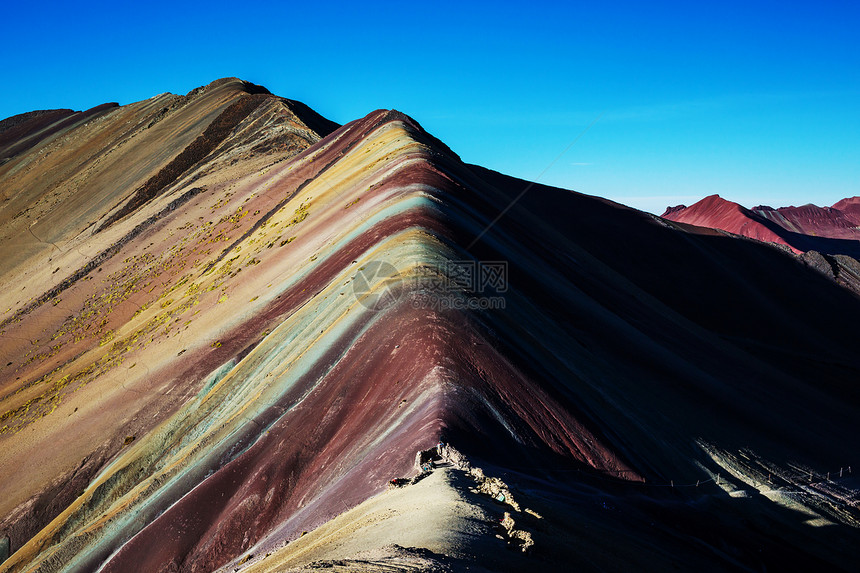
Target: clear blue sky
759 103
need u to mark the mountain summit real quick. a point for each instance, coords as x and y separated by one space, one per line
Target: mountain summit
238 336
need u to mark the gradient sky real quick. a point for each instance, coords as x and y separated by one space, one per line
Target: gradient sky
759 103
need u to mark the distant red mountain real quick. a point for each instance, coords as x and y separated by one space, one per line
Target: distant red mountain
715 212
832 230
850 207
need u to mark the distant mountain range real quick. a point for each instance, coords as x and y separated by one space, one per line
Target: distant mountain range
795 227
828 238
237 336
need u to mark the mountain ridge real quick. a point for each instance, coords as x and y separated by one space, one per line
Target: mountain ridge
273 335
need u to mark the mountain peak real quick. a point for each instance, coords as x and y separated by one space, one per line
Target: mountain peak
236 83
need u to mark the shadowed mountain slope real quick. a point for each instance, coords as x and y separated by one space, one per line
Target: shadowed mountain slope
229 321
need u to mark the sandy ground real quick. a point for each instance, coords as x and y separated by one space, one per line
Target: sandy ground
437 524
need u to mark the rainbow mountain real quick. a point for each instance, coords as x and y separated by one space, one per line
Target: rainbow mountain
238 336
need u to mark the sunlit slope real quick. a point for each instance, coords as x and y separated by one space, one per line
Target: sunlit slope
250 267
